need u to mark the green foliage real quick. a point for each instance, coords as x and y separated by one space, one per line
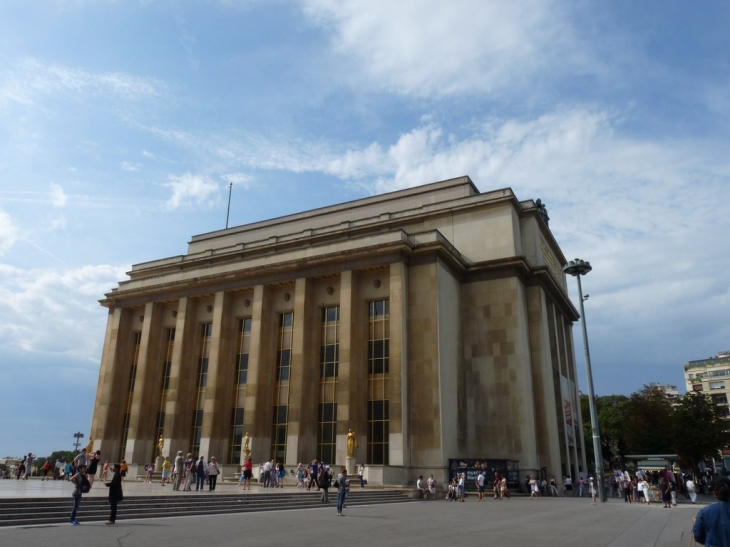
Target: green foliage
62 456
699 431
612 419
649 428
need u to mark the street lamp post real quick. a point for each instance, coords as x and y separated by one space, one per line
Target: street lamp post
78 436
577 268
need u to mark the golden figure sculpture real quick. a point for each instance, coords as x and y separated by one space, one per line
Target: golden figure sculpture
246 450
351 443
90 446
160 444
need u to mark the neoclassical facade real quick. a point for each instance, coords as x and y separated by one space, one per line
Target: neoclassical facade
434 322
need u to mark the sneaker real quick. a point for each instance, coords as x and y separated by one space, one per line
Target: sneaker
74 523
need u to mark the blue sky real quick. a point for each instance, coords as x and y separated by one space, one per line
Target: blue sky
123 122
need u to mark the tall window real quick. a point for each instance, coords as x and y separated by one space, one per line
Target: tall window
136 342
197 426
164 386
378 368
243 343
329 359
281 389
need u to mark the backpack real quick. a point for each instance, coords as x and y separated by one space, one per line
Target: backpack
85 485
200 467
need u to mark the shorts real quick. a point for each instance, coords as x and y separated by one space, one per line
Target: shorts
247 474
165 474
480 489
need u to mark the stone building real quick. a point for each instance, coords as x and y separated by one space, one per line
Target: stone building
712 377
434 322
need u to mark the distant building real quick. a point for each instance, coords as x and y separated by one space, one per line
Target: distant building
433 322
670 392
711 376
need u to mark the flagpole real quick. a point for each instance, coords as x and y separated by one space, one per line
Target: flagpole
230 188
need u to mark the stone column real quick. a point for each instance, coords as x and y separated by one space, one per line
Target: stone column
352 381
111 393
221 373
301 442
544 389
141 444
257 418
183 376
398 379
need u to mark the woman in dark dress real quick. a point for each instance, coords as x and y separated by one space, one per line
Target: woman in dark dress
93 465
115 492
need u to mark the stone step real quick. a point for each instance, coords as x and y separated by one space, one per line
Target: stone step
57 510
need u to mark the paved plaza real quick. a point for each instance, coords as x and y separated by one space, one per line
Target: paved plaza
516 522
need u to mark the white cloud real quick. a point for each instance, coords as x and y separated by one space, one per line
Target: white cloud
31 78
130 167
430 47
58 197
8 232
239 179
188 187
55 312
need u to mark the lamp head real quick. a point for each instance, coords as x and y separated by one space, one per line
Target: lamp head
577 267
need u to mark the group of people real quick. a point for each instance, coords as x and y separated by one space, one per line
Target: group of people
188 471
83 478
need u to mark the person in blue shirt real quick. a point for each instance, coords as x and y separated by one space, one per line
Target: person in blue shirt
712 523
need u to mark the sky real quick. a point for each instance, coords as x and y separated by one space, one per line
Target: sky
122 124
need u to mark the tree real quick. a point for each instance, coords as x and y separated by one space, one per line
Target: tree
699 432
62 456
612 419
649 422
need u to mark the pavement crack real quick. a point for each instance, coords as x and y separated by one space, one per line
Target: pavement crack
119 539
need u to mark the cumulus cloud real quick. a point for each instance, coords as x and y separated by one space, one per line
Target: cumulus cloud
55 312
429 47
187 188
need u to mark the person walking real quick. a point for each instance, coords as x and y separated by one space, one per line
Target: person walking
81 486
712 523
343 487
115 492
325 481
592 489
534 488
692 490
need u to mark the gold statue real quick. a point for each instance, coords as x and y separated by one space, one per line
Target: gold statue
90 446
245 450
351 443
160 444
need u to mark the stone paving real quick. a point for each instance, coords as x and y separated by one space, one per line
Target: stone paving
517 522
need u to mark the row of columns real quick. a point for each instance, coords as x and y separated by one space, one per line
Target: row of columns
265 303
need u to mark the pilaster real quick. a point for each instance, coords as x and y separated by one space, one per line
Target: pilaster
143 413
221 373
183 375
399 378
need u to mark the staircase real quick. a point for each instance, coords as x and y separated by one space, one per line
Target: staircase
38 511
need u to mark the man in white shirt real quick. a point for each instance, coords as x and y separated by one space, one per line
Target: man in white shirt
421 489
267 474
480 486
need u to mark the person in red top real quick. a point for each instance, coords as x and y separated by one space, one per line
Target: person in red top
247 468
46 468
